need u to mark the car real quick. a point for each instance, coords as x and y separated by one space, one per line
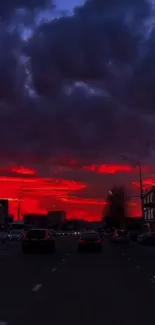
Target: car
3 236
14 235
146 238
89 241
38 239
120 236
142 237
134 234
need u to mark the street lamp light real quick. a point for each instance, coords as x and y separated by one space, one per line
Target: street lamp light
139 166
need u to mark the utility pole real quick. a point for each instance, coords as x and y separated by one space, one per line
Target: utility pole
19 208
139 165
141 187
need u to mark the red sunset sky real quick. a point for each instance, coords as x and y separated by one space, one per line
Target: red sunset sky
83 197
76 93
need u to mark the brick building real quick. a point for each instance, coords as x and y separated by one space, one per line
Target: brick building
149 209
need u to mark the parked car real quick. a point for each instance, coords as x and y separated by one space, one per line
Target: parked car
134 234
141 237
120 236
146 238
90 241
14 235
38 239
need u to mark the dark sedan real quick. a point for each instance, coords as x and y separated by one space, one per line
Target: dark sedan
147 238
38 239
120 236
90 241
14 235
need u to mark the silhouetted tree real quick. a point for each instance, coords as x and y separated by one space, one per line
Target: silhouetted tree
116 209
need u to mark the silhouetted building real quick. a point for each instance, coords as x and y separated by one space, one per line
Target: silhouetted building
10 218
53 219
56 219
134 223
149 208
4 208
17 224
35 220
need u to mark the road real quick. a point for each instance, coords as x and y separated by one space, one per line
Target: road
116 286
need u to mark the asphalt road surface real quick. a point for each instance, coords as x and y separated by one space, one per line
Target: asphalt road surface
113 287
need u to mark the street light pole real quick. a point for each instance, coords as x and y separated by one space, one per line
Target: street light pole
141 187
139 165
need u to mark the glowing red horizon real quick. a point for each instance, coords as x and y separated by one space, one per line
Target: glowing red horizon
40 194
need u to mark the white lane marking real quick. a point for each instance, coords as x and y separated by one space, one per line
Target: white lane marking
3 323
54 269
152 280
37 287
138 267
63 260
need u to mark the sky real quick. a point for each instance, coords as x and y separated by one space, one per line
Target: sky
76 95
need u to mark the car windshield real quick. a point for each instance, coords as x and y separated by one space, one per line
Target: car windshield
36 234
92 236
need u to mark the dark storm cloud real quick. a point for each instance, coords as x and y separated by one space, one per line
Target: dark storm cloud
7 8
104 45
104 41
12 74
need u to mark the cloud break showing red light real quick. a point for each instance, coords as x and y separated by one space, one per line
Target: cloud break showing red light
112 169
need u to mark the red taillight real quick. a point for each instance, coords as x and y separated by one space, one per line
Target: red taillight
46 237
98 241
23 236
81 241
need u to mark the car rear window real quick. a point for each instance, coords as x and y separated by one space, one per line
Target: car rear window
39 234
152 234
122 233
88 236
15 232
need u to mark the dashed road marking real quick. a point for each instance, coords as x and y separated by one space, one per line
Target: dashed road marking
37 287
63 260
152 280
54 269
138 267
129 259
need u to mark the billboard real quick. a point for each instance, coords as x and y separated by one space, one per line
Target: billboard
4 207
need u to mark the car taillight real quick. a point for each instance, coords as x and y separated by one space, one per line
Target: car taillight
81 241
23 236
98 241
46 237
